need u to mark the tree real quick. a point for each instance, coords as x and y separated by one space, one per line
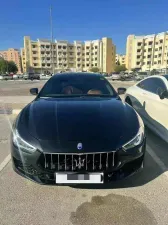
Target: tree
3 66
12 67
118 63
9 67
120 68
94 69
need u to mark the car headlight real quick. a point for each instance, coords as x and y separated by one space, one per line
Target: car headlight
138 139
22 144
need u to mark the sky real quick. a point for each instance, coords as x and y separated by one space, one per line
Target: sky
80 20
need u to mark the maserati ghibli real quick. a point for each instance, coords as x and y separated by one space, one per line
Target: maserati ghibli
77 130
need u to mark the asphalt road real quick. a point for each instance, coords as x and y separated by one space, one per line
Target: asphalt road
141 199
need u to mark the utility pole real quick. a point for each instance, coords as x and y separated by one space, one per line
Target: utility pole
51 24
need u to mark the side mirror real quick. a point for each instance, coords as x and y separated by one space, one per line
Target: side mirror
163 94
34 91
121 90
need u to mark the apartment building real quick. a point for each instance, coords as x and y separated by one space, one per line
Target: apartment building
44 56
121 59
147 52
12 55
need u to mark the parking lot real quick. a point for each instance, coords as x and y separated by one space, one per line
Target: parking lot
140 199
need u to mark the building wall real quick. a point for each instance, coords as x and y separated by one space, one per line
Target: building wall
121 59
13 55
77 56
147 52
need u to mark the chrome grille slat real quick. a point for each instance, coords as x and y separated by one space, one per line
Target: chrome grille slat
65 163
72 162
86 161
58 161
100 165
113 158
51 162
107 160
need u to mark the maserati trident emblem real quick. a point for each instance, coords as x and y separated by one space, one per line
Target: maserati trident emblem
79 146
80 162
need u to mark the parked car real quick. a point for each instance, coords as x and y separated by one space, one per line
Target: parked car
69 138
115 76
44 77
5 77
150 99
31 76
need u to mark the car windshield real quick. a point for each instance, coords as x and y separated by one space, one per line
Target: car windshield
77 86
166 76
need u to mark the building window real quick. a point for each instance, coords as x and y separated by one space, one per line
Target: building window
79 65
48 64
95 64
161 41
149 56
144 57
95 53
70 47
150 43
87 47
95 58
47 46
155 56
92 53
35 64
87 53
149 49
34 52
148 63
71 53
92 65
139 43
138 50
87 59
138 63
64 47
65 65
78 59
83 54
159 62
64 53
78 53
156 49
83 65
138 57
87 65
33 46
59 46
42 53
34 58
95 47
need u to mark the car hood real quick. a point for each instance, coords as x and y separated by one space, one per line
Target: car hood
60 124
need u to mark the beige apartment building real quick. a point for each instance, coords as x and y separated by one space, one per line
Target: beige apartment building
121 59
147 52
12 55
44 56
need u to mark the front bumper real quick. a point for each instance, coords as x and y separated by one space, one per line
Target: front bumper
28 166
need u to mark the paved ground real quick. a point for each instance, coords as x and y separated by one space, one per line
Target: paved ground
142 199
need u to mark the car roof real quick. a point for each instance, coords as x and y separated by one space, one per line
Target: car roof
162 77
75 74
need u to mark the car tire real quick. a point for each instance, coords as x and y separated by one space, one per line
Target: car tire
128 100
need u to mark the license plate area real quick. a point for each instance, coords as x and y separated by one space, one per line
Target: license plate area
76 178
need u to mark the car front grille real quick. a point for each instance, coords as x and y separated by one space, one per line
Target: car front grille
79 162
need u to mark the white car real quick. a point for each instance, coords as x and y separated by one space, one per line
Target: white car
149 98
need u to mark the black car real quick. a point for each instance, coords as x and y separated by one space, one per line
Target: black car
77 130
